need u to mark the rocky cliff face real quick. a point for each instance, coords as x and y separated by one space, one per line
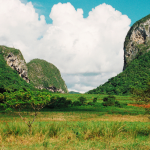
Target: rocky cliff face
50 88
16 61
137 40
43 75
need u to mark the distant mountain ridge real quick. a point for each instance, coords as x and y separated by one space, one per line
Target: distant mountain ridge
136 70
73 92
15 74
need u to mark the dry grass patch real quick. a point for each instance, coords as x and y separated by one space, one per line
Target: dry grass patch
95 117
122 118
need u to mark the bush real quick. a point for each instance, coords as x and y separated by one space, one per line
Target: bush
1 98
90 103
76 103
110 101
59 102
147 111
117 104
82 99
94 99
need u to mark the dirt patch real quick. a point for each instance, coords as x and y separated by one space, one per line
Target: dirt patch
140 105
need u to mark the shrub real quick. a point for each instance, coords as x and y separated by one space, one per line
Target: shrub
147 111
90 103
1 98
110 101
76 103
117 104
94 99
68 103
59 102
82 99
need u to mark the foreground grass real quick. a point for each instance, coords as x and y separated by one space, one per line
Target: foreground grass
75 130
76 135
82 127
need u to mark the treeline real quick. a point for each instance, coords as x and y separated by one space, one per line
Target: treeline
136 75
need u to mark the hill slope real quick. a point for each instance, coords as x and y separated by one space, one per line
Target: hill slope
136 62
136 75
45 75
9 78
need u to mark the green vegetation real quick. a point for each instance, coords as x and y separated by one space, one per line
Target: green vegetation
136 75
7 50
24 100
82 99
44 74
142 95
59 102
67 126
110 101
78 127
76 135
9 78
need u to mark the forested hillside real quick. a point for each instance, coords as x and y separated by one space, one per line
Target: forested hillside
45 75
136 72
136 75
9 78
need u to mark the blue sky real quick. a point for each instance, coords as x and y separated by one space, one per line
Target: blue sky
134 9
83 39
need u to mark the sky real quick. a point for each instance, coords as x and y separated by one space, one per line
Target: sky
83 39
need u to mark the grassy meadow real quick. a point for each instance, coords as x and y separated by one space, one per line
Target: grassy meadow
79 127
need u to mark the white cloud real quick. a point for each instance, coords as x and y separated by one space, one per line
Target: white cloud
77 46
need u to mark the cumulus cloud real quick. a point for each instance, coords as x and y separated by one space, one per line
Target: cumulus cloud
20 26
87 51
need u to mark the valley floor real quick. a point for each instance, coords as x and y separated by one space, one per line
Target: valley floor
81 127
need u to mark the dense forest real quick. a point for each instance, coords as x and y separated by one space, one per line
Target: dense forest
136 70
136 75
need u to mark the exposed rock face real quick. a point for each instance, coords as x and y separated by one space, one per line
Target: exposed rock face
52 89
17 64
137 37
43 75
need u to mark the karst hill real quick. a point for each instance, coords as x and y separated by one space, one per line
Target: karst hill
136 70
16 75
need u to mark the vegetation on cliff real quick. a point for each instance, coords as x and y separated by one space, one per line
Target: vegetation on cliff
136 75
137 39
136 72
9 78
44 75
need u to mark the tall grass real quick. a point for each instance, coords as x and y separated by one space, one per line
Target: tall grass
89 134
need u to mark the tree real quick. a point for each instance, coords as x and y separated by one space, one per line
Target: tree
94 99
18 101
142 95
82 99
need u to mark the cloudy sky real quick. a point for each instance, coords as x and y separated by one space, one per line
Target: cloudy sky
83 39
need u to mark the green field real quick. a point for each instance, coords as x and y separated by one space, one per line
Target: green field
79 127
